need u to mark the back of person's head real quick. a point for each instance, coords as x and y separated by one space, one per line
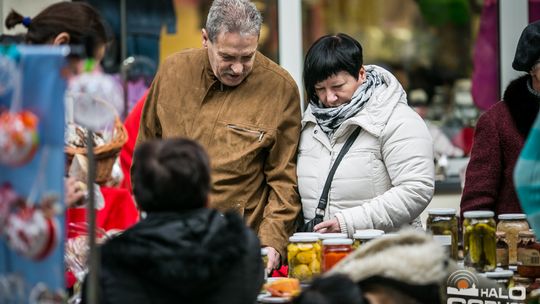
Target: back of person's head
170 175
78 19
333 289
233 16
328 56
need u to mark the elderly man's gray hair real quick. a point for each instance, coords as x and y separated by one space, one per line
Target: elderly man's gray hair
233 16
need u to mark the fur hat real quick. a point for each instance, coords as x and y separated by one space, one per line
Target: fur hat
411 262
528 48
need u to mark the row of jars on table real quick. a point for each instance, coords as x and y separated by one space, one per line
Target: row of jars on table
487 245
310 254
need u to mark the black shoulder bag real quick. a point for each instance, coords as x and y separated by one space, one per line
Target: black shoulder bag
319 212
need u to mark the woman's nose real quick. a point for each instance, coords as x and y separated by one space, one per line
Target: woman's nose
331 96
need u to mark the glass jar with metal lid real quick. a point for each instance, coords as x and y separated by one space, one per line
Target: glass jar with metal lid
512 224
303 256
443 221
502 277
363 236
528 255
319 241
479 240
334 250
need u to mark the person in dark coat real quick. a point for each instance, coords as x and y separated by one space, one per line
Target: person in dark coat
500 134
181 252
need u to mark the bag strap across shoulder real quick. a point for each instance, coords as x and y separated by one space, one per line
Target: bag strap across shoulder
319 212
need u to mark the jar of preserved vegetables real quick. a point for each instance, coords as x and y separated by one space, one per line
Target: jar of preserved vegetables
443 221
303 256
479 240
502 250
312 234
334 250
502 277
512 224
528 253
363 236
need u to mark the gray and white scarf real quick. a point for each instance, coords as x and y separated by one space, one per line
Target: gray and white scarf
329 119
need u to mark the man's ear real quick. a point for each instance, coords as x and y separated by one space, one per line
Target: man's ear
62 38
205 39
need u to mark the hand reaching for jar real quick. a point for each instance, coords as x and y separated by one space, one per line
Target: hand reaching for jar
328 226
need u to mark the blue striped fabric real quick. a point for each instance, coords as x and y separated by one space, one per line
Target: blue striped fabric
527 177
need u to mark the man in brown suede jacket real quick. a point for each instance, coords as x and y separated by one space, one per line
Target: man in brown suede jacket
244 109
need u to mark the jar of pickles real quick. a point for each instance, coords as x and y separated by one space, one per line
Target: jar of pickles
443 221
312 234
363 236
512 224
303 256
334 250
479 240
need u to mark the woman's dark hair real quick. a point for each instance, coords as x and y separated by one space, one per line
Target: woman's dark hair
331 290
328 56
80 20
170 175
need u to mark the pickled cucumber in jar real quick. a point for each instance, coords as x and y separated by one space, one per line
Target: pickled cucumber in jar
443 221
303 256
479 240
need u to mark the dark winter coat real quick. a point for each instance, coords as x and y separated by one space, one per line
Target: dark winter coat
197 257
498 140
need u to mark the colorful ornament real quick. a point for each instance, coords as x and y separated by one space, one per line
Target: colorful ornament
18 137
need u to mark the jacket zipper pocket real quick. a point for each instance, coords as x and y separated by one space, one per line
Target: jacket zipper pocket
259 133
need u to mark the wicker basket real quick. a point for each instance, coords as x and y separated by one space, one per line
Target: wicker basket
105 155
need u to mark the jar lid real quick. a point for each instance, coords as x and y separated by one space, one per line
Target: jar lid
337 242
526 233
325 236
512 216
367 234
442 211
478 214
264 251
303 239
312 234
502 274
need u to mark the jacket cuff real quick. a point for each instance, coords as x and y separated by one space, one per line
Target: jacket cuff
341 222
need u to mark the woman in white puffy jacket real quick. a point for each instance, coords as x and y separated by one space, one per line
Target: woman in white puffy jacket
386 179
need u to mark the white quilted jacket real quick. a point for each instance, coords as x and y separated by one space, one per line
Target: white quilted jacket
385 180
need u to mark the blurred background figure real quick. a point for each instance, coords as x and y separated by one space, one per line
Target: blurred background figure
441 143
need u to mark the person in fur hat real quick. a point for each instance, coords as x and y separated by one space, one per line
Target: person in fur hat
181 252
408 267
500 134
